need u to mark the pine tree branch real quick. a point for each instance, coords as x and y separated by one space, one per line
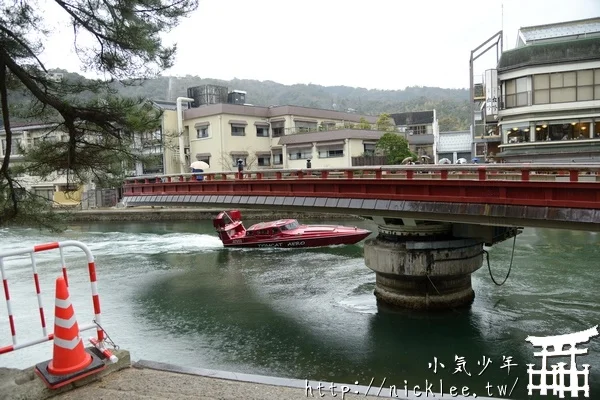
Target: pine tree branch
8 132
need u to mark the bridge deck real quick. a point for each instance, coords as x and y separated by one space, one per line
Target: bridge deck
493 194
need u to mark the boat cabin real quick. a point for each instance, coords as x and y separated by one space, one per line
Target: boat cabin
272 228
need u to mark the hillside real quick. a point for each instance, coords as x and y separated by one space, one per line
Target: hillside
451 104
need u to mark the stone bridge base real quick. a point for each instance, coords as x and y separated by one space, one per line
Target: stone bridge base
420 265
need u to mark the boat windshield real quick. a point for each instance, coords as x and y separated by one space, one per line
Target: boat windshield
290 226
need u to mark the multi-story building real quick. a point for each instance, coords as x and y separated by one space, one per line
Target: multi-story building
421 130
454 145
264 137
550 94
56 187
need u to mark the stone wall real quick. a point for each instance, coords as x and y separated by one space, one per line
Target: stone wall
182 214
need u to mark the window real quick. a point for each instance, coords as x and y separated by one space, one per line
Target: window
202 132
562 87
235 159
262 131
277 128
263 160
237 130
15 147
277 158
541 89
206 159
305 126
300 154
516 93
290 226
369 148
327 126
331 152
418 129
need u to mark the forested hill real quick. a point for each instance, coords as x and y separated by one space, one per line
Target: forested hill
451 105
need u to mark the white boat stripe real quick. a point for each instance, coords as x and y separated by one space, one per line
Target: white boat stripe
67 344
65 323
60 303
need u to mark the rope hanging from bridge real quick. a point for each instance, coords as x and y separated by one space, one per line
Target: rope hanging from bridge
487 256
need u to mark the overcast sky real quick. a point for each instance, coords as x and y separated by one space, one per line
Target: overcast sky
376 44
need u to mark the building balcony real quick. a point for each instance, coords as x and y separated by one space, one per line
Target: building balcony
583 150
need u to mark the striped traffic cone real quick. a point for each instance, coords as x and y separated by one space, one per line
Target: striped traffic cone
70 360
69 354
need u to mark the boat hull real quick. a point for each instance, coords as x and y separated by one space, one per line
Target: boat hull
299 242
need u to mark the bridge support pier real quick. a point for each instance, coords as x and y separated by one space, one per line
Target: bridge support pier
420 265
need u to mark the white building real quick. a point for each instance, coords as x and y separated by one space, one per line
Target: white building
550 94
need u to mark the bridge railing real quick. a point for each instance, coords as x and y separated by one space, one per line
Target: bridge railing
506 172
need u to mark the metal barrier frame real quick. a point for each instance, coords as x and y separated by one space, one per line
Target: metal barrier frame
36 249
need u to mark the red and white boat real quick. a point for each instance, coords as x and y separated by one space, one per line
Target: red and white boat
283 233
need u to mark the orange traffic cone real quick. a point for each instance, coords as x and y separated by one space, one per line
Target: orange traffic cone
70 360
69 355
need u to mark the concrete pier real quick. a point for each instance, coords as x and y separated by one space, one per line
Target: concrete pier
422 266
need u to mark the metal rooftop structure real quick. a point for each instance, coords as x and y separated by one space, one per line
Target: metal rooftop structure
578 29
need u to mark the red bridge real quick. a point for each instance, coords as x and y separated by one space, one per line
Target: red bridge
535 195
433 220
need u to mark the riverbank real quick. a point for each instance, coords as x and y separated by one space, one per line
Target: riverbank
182 214
155 380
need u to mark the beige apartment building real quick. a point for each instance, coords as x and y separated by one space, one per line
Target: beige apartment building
264 137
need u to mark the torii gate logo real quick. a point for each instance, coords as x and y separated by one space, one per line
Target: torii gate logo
558 372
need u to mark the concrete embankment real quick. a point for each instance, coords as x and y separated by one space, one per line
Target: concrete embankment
154 380
183 214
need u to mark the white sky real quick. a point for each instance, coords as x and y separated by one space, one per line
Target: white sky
376 44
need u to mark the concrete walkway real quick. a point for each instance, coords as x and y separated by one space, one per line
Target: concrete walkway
151 380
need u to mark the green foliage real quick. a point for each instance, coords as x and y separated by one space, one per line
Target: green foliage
394 147
97 115
364 124
384 123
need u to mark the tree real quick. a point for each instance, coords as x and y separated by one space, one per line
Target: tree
125 47
384 123
364 124
394 147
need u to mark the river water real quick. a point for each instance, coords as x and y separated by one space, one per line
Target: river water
170 292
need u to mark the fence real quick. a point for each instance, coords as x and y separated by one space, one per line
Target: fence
32 252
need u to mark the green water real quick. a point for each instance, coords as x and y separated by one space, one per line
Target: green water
170 292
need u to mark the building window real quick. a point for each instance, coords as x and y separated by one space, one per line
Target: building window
563 87
277 128
518 134
202 132
327 126
262 131
277 158
263 160
422 150
300 154
235 159
15 149
369 149
418 129
331 152
305 126
541 89
516 93
238 130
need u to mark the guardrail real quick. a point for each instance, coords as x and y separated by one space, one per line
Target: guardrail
32 253
512 172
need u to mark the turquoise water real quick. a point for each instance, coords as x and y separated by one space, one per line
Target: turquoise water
170 292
